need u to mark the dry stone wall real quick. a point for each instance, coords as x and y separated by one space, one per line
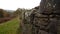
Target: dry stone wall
44 19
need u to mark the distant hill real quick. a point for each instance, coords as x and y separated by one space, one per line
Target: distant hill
10 10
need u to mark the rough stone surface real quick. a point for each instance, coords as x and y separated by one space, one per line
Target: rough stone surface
44 19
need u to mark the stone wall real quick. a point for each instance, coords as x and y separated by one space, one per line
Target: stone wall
44 19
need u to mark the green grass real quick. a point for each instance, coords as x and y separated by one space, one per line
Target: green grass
9 27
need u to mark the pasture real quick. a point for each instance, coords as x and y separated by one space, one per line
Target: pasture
9 27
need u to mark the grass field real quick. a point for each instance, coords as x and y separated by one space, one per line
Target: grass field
9 27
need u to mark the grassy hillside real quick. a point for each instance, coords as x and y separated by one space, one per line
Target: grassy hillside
9 27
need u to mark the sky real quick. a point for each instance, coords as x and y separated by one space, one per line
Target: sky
14 4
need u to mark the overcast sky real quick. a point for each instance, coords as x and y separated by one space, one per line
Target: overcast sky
14 4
